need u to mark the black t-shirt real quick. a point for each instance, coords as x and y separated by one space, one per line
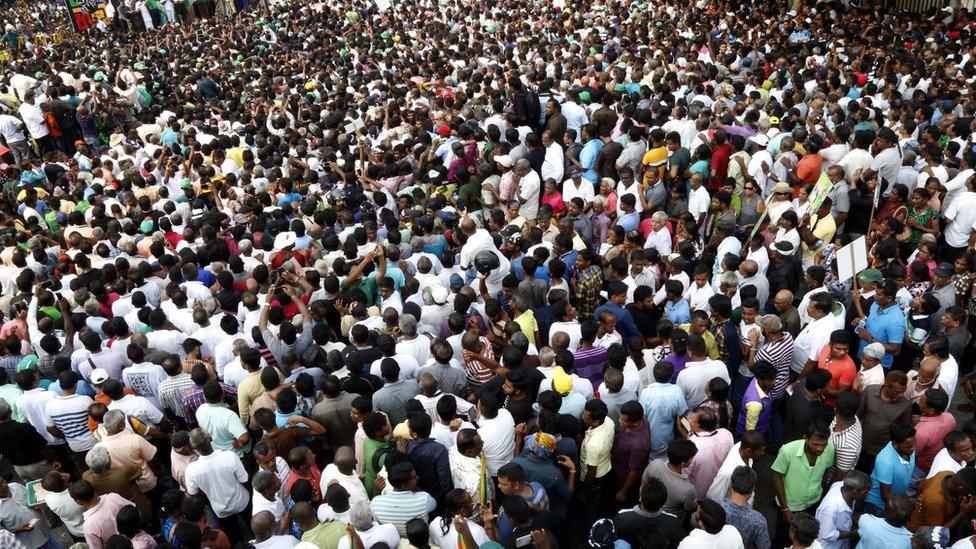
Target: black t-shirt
633 525
364 385
540 521
521 410
645 322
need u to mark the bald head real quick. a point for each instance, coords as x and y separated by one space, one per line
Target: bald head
262 524
559 341
929 368
345 459
428 384
468 226
749 268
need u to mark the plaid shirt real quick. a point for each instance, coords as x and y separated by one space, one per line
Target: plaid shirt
10 363
588 291
194 399
189 363
171 390
45 364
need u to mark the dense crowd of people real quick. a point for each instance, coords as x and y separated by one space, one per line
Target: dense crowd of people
570 273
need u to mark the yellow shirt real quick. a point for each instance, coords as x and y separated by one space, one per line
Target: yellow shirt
710 344
529 326
596 447
656 159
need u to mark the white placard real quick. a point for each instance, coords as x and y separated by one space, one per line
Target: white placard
852 259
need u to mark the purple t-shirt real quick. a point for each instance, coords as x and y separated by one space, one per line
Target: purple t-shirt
590 363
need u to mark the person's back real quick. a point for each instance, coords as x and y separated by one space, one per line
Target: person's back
406 502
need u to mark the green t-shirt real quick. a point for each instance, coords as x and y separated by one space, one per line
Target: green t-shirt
680 158
326 535
370 447
367 284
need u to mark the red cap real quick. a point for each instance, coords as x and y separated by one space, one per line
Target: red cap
444 130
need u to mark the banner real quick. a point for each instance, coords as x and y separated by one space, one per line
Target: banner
852 259
819 192
86 14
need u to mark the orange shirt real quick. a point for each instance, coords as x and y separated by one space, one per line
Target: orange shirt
842 372
932 508
808 168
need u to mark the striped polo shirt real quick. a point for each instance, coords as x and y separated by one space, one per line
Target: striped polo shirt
399 508
69 413
779 353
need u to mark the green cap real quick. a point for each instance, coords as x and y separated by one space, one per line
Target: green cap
619 87
139 66
28 362
40 74
385 35
185 183
146 226
98 76
585 96
622 65
343 52
870 275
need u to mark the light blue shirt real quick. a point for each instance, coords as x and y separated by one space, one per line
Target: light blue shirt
588 158
629 221
878 534
573 404
892 470
678 312
886 326
662 403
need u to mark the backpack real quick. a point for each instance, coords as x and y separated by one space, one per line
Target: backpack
378 456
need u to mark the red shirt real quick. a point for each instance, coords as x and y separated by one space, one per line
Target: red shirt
929 433
720 165
842 372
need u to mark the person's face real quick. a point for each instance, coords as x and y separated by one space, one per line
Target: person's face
355 415
767 384
838 350
701 279
386 292
628 424
673 145
698 325
508 388
750 189
893 391
815 445
657 224
756 453
933 188
605 188
626 178
609 325
509 488
571 311
803 195
748 315
574 210
963 451
905 447
918 201
781 304
267 461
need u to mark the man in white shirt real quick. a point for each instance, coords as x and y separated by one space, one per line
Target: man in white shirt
527 191
752 446
712 531
835 513
699 371
12 130
497 430
699 200
812 338
220 475
960 219
34 120
552 165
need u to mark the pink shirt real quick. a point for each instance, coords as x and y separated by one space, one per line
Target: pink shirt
929 433
506 186
555 200
100 519
713 448
178 469
17 327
